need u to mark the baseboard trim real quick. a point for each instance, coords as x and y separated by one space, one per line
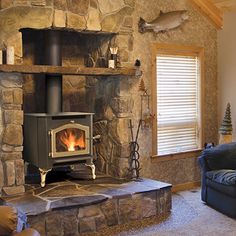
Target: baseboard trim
185 186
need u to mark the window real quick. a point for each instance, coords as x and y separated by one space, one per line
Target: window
178 99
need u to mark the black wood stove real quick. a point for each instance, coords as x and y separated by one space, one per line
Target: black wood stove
57 138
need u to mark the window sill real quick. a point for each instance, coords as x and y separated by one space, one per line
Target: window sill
177 156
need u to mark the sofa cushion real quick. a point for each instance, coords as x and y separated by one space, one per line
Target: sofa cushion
221 188
224 176
221 180
221 157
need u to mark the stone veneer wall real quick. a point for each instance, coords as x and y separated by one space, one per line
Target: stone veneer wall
11 121
116 100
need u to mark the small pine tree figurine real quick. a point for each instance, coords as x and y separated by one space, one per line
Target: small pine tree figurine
226 127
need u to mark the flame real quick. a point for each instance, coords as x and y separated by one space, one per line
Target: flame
71 141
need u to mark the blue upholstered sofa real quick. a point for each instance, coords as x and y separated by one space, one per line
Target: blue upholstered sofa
218 170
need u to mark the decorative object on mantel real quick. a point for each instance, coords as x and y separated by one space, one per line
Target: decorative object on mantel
164 22
113 60
134 165
146 116
89 61
226 127
102 59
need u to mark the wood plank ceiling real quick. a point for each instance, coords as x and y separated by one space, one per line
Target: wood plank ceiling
210 10
214 9
226 5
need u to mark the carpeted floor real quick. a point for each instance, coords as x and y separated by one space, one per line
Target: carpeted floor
189 216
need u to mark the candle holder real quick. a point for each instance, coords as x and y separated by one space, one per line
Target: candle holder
146 115
112 63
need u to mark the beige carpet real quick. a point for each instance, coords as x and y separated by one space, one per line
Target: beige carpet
189 216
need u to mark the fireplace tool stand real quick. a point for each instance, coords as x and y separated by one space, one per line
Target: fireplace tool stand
134 164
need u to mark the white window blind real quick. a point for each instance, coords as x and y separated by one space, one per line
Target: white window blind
178 102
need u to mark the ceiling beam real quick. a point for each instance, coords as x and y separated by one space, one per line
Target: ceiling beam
211 11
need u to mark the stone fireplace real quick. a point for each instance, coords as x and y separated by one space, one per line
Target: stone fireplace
94 97
90 28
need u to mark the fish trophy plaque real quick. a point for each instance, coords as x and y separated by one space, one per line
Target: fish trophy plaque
164 22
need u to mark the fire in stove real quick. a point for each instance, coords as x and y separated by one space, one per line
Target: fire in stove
70 140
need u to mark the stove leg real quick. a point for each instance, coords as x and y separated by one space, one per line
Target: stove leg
92 166
43 174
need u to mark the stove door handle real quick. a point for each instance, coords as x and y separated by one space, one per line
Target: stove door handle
50 154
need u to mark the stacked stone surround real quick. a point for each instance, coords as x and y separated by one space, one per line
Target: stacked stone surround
74 15
11 136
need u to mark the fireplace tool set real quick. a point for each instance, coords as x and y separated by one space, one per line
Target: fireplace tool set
144 122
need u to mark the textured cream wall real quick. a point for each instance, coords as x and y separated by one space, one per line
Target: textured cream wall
197 31
227 68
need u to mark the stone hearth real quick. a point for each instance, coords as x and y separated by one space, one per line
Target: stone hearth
74 207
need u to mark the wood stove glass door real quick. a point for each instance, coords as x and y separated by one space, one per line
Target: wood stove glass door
69 140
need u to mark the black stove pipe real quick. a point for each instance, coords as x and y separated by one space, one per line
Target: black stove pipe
53 82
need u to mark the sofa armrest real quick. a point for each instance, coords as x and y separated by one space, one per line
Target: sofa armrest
203 164
8 220
204 168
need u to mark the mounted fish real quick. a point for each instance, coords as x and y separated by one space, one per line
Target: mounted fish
164 22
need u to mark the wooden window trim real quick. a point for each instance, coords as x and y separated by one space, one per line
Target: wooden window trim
177 156
174 49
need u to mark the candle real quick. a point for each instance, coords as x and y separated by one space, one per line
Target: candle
111 64
1 57
10 55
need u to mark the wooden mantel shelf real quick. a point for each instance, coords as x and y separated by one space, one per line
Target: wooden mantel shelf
67 70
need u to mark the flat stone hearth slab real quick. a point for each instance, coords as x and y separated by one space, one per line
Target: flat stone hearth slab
91 204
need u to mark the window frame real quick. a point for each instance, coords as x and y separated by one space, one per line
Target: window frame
183 50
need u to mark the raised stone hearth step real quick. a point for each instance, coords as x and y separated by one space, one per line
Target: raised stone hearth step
75 207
